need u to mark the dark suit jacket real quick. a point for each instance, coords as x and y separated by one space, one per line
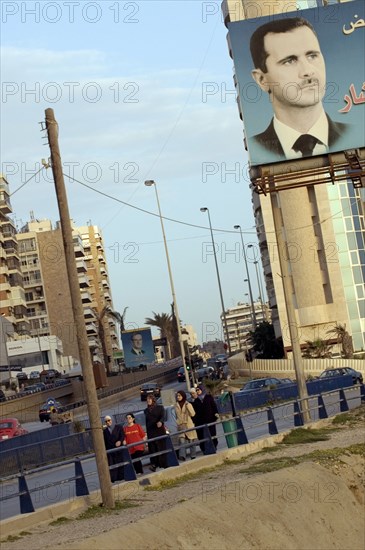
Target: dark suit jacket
270 141
110 439
142 352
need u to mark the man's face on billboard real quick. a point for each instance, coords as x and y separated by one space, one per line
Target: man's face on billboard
137 341
296 72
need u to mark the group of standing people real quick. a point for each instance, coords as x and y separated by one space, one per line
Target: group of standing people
191 416
134 435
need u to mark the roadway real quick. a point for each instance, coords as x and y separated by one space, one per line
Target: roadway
255 425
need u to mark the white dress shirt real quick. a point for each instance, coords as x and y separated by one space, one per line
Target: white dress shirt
288 136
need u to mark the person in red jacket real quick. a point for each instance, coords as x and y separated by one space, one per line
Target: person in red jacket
134 433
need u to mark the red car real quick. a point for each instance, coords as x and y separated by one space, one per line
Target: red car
11 427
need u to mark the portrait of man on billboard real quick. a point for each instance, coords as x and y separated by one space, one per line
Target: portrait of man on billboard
293 82
138 347
137 344
289 65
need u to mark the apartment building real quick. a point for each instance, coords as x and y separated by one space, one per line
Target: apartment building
47 291
99 290
12 297
240 323
323 226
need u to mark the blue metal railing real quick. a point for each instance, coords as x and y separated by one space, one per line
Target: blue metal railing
27 460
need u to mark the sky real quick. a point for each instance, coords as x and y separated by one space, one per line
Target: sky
141 90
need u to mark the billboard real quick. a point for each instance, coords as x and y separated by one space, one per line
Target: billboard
137 347
301 81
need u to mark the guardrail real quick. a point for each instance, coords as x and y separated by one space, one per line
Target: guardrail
235 433
26 393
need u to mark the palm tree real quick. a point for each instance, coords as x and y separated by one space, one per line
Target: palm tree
120 318
318 348
107 310
176 350
343 338
164 322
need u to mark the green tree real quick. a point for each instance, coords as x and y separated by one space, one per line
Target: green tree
343 337
265 343
163 321
318 349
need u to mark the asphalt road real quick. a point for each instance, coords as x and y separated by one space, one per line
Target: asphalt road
255 424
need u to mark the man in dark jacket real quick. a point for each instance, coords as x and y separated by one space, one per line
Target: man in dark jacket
198 419
155 427
209 410
113 438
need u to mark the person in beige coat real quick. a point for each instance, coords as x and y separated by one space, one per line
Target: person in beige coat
184 414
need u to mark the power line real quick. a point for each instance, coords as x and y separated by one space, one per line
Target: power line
245 232
148 211
25 183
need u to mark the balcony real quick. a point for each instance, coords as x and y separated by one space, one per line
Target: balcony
89 313
5 206
79 251
91 328
86 297
36 298
93 343
83 281
81 266
37 313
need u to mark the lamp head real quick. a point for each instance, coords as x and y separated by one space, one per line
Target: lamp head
204 209
149 183
236 227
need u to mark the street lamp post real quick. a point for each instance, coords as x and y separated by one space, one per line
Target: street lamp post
150 183
260 289
248 278
252 324
205 209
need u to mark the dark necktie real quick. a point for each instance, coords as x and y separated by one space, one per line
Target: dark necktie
305 144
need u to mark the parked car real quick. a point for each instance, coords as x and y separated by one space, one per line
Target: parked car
181 374
49 374
39 386
45 409
205 372
22 376
264 383
221 359
11 427
357 377
2 396
34 375
150 388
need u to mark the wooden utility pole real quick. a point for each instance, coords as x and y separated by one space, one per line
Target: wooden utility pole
78 312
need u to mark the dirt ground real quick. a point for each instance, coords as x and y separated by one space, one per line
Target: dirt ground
307 497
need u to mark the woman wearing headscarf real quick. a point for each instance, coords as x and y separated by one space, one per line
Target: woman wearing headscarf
155 427
210 411
184 420
198 419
